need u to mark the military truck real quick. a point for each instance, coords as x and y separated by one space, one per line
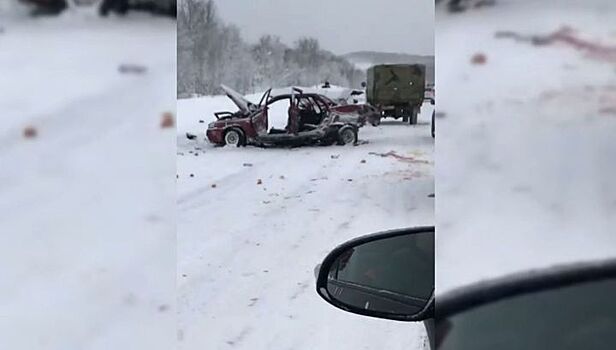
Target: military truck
398 90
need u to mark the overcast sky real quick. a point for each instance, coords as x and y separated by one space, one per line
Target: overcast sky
342 26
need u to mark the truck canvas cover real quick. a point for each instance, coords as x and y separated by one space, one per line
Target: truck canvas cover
396 84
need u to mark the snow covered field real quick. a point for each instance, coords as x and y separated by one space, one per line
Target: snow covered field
253 223
87 206
525 152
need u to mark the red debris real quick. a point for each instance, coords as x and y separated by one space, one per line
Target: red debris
30 132
167 120
479 59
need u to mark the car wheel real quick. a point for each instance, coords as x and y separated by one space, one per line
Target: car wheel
235 137
347 135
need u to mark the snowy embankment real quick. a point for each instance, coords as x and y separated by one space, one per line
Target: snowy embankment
87 202
253 223
525 156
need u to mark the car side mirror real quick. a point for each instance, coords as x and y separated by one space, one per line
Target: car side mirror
386 275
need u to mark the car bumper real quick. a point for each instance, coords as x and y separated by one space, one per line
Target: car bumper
215 136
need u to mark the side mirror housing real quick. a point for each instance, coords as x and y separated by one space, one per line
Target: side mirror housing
385 275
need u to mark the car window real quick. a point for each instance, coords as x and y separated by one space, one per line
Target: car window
570 318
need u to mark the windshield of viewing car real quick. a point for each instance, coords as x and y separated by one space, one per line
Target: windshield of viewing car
571 318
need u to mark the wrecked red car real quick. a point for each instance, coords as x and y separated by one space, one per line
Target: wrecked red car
311 119
358 114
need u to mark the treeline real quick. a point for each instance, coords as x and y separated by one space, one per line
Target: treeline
211 52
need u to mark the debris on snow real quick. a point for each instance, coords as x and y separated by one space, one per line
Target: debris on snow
479 59
568 37
393 154
163 308
132 69
167 120
30 132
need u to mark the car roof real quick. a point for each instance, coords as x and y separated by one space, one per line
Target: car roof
525 158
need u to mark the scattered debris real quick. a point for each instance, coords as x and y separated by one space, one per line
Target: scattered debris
320 178
129 68
568 37
167 120
30 132
479 59
393 154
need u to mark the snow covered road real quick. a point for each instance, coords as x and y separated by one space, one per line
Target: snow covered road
525 162
253 223
87 206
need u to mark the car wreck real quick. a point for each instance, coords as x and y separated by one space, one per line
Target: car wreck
312 119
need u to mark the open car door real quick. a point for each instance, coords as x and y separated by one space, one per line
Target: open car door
293 112
259 119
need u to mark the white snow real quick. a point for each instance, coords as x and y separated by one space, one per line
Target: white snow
247 251
87 207
525 151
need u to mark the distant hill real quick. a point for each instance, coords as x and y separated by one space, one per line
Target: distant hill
365 59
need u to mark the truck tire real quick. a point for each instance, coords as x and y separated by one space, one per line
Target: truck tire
414 111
